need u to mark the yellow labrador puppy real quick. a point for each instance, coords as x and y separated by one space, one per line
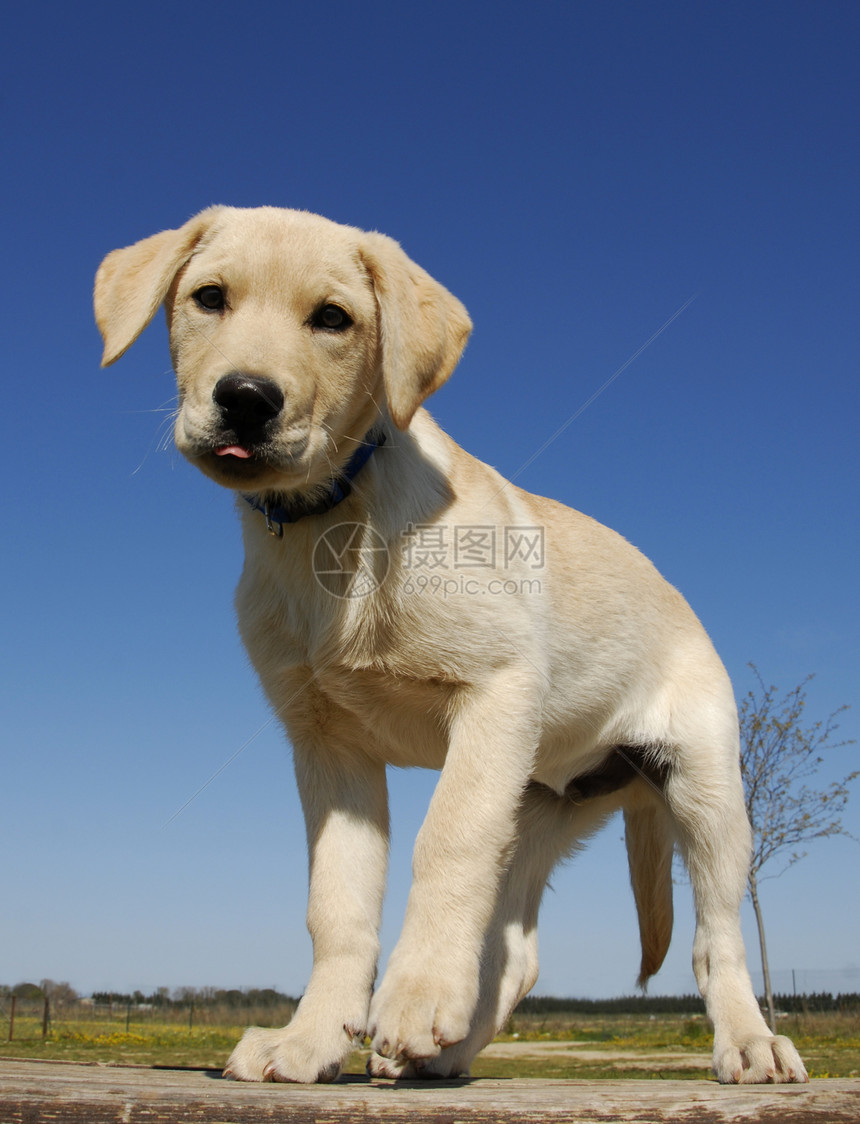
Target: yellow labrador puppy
403 604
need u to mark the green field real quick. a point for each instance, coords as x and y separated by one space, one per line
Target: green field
586 1047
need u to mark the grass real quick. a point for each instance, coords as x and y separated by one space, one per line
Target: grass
640 1046
582 1047
150 1043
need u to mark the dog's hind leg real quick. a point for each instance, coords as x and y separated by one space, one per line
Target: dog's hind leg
705 795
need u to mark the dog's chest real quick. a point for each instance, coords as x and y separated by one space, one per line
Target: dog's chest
351 667
399 720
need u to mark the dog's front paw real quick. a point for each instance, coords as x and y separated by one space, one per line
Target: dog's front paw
416 1016
285 1055
760 1059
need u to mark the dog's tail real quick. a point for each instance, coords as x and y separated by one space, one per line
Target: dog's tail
650 846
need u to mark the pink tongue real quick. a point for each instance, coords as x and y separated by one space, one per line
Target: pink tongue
233 451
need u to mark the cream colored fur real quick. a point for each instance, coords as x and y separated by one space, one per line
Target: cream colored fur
512 691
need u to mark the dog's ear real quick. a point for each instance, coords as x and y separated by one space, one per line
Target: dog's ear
132 283
424 328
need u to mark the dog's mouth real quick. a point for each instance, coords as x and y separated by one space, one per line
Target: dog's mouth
237 451
245 465
233 461
250 466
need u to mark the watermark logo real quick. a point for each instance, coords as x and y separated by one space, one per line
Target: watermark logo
526 545
438 546
351 560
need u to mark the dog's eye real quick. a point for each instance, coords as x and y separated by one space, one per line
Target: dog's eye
331 317
210 297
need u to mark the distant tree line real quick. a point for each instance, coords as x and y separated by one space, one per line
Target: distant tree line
199 997
61 994
622 1005
822 1001
676 1004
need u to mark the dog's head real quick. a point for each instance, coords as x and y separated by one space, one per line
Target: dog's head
290 336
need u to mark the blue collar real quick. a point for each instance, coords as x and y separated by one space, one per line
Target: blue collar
339 487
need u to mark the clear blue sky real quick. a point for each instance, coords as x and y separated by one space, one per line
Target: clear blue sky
574 172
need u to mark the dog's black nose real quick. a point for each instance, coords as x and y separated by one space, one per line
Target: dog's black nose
247 402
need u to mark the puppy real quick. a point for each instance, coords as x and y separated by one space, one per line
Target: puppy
403 604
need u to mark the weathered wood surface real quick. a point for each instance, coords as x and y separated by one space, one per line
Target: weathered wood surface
36 1092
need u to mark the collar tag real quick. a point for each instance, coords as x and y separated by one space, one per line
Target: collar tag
272 526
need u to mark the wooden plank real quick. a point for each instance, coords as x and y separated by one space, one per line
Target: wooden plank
33 1092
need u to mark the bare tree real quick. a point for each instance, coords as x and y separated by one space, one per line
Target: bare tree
58 995
780 754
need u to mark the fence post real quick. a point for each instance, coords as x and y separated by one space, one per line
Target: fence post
12 1018
46 1017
